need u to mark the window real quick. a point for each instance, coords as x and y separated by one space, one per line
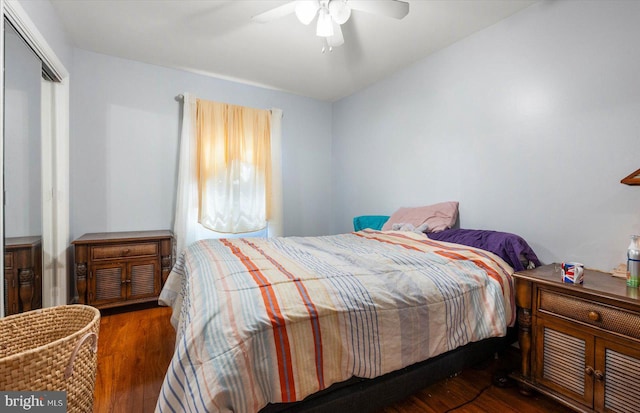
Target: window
229 173
234 167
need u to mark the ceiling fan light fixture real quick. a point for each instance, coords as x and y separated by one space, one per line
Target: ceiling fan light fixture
325 24
340 11
306 10
326 46
332 14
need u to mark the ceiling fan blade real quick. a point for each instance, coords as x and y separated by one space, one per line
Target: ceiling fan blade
275 13
306 10
391 8
337 39
340 11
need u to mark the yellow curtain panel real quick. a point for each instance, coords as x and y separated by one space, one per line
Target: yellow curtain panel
234 166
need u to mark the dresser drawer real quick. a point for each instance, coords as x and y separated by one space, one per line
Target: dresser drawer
609 318
105 252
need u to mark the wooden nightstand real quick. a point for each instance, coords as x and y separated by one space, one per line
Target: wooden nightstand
22 274
580 344
120 268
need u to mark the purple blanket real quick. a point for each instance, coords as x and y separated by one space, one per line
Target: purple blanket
510 247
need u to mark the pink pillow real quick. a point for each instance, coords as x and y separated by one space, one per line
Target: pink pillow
438 217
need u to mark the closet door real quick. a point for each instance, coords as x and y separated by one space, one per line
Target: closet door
47 159
22 137
22 164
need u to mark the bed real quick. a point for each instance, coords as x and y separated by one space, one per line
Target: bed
336 323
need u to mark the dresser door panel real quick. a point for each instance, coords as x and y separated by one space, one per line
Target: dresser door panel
11 296
565 361
143 279
107 284
617 387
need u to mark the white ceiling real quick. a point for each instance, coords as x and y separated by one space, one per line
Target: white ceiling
219 38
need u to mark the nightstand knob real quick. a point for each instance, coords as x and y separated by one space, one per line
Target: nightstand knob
588 371
594 316
599 375
125 251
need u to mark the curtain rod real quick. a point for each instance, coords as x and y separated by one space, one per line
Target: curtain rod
181 97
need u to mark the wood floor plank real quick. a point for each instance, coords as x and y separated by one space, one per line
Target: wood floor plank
157 354
104 382
135 348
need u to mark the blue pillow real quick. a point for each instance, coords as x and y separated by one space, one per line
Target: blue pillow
369 221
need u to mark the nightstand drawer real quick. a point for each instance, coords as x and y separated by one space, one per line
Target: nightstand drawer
609 318
8 260
124 251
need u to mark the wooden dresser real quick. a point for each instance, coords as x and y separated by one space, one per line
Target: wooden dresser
120 268
22 274
580 343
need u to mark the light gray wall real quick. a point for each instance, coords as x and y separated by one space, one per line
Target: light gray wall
22 148
124 136
530 124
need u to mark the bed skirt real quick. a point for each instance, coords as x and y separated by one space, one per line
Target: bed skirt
371 395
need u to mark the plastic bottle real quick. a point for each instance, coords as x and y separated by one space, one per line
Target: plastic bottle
633 261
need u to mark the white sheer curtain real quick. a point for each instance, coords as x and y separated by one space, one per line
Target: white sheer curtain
186 227
234 156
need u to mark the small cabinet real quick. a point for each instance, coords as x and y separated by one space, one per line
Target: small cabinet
114 269
580 343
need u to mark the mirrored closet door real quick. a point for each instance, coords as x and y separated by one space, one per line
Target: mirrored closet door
22 175
35 117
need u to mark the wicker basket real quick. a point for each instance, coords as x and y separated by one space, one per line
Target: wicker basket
53 349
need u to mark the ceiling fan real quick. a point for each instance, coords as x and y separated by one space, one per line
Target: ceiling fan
332 14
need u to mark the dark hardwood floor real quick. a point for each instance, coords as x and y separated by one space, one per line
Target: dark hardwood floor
135 348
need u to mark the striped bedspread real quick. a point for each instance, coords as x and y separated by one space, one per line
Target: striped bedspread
274 320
